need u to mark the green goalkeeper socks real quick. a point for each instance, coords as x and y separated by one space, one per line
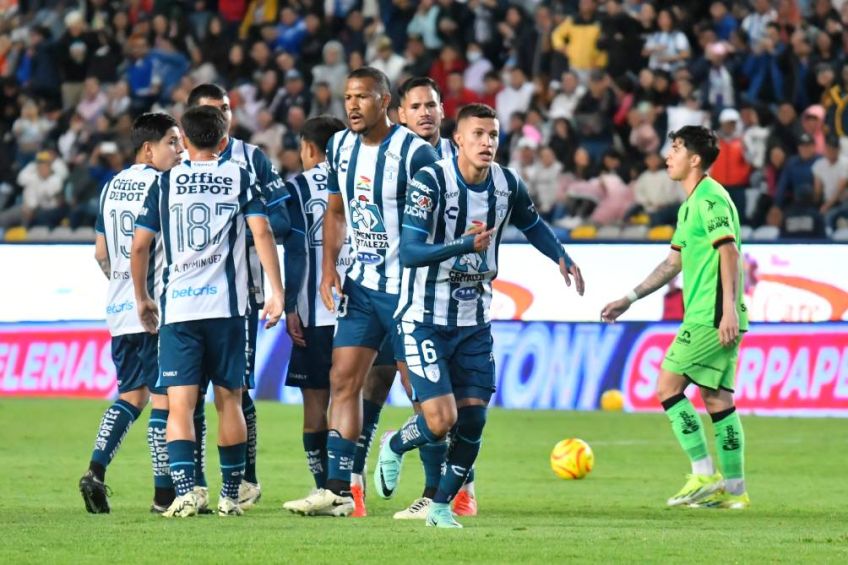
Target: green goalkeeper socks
730 443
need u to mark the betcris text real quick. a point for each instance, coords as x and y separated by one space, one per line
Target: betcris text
116 308
191 292
203 183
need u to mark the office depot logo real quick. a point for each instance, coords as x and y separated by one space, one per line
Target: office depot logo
790 369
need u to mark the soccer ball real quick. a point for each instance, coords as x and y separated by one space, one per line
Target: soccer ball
572 459
612 400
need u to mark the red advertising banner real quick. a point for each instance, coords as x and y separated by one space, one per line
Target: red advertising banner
783 369
69 360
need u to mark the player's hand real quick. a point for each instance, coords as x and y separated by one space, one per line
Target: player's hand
482 236
294 327
148 313
728 328
614 309
572 271
273 310
330 281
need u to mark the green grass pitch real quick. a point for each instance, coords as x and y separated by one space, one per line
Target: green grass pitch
797 476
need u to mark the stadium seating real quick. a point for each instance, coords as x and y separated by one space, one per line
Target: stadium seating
766 233
584 232
609 232
634 232
39 233
661 233
15 234
841 234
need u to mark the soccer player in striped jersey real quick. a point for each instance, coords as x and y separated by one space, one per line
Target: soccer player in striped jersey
201 207
308 323
452 224
421 111
369 166
271 186
157 142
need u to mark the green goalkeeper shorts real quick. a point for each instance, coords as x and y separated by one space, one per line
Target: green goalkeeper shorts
697 354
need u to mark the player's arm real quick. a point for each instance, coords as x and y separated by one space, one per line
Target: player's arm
334 236
101 254
661 276
418 219
274 192
541 236
717 220
294 265
147 225
422 157
266 249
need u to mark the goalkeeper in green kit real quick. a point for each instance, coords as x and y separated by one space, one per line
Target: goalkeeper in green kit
706 247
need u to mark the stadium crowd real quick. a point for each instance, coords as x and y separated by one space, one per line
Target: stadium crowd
585 91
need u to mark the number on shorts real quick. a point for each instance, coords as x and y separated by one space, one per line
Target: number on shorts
428 351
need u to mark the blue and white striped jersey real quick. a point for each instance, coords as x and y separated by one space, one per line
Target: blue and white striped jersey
456 289
446 149
273 192
372 181
200 209
120 201
303 270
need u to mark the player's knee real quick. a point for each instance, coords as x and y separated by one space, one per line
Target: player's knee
138 397
441 419
669 384
470 423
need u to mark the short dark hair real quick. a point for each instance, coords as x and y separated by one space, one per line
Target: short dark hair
476 110
320 129
417 82
206 90
204 126
379 77
699 140
152 127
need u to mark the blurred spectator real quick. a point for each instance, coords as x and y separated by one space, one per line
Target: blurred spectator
563 142
269 134
105 162
569 94
593 115
718 91
478 66
324 103
515 97
724 24
802 220
30 131
643 137
754 25
812 123
731 168
387 60
621 39
656 194
294 94
94 101
830 177
576 39
424 24
616 196
456 96
763 68
786 131
754 136
449 61
213 45
667 48
37 70
43 204
75 49
334 69
543 185
796 181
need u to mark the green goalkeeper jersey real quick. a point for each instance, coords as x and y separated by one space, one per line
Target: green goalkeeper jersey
705 221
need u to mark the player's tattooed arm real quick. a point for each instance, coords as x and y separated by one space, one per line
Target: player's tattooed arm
660 276
102 255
